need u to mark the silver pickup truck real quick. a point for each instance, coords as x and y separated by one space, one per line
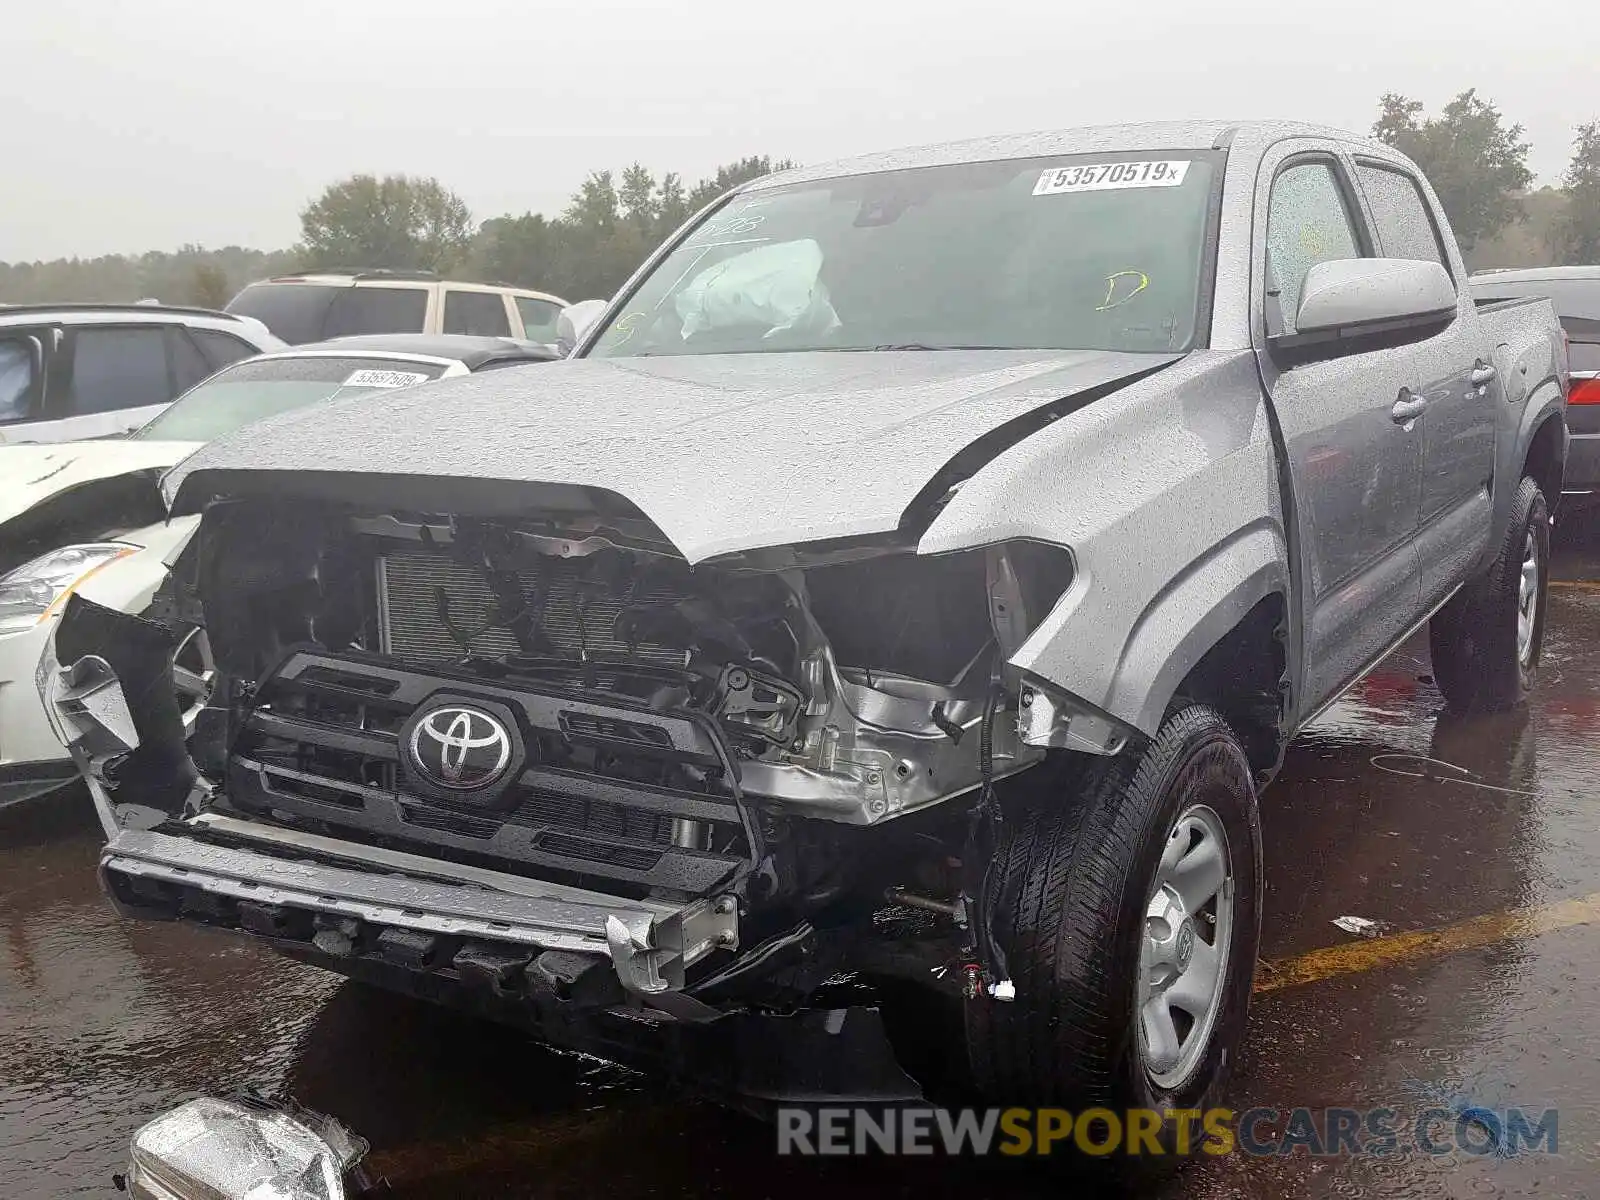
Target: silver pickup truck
899 600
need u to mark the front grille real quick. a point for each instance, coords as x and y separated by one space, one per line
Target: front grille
321 745
578 617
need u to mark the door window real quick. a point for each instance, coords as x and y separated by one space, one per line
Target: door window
1400 216
377 310
1307 223
16 378
538 318
118 368
480 313
222 348
189 366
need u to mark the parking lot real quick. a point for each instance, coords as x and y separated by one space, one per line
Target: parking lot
1495 845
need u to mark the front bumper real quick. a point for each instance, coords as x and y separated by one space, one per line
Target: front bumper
511 949
266 880
584 969
263 877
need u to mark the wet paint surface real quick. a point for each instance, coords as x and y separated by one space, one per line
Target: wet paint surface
106 1022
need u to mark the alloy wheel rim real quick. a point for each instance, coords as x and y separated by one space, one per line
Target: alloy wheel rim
1527 599
194 676
1185 941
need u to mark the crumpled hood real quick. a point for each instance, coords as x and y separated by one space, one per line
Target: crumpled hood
30 475
724 453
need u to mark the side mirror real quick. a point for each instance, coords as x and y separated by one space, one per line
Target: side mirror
575 321
1351 296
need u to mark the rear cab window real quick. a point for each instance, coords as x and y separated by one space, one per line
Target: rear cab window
1400 216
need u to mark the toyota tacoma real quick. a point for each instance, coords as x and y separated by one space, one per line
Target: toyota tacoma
901 597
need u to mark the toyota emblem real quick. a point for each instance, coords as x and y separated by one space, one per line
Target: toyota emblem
463 749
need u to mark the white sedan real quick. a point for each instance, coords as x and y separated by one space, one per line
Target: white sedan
88 517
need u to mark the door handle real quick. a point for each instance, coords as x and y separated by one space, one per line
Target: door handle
1482 373
1408 408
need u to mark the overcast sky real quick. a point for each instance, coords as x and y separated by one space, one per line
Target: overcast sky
144 124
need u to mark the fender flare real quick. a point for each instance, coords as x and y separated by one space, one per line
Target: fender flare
1546 400
1189 616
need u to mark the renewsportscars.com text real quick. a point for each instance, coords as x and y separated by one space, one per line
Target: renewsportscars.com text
1257 1132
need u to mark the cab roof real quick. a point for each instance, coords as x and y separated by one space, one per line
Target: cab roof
1089 139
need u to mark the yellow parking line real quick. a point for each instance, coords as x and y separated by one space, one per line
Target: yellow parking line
1400 949
1576 585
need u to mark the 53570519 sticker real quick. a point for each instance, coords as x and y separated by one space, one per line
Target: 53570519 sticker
1103 177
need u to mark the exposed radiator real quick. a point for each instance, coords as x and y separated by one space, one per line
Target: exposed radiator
408 584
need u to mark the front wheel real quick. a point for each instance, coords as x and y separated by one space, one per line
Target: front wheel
1486 643
1130 915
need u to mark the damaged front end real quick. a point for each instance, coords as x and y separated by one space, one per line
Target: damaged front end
547 768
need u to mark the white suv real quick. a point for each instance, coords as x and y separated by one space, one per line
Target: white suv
74 371
314 307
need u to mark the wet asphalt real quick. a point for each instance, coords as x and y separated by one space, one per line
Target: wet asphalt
104 1023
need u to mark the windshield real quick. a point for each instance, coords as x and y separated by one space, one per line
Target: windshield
1077 252
264 387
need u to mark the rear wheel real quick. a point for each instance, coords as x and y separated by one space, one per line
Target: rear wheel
1486 643
1130 914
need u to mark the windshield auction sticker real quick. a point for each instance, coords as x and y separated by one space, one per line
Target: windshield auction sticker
372 378
1104 177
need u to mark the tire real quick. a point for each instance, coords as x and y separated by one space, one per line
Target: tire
1482 659
1072 888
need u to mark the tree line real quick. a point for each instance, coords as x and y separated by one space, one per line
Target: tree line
1475 158
402 222
1478 164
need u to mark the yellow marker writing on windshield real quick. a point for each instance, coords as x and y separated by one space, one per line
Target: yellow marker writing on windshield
1111 288
627 325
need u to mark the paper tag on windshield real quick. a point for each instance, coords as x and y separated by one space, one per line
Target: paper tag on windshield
373 378
1104 177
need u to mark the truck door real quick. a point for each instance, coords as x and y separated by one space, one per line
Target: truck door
1456 382
1355 464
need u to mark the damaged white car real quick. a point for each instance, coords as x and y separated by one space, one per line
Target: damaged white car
903 592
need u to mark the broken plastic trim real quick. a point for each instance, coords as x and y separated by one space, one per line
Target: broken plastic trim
114 706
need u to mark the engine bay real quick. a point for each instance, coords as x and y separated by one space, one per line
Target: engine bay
567 699
846 681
